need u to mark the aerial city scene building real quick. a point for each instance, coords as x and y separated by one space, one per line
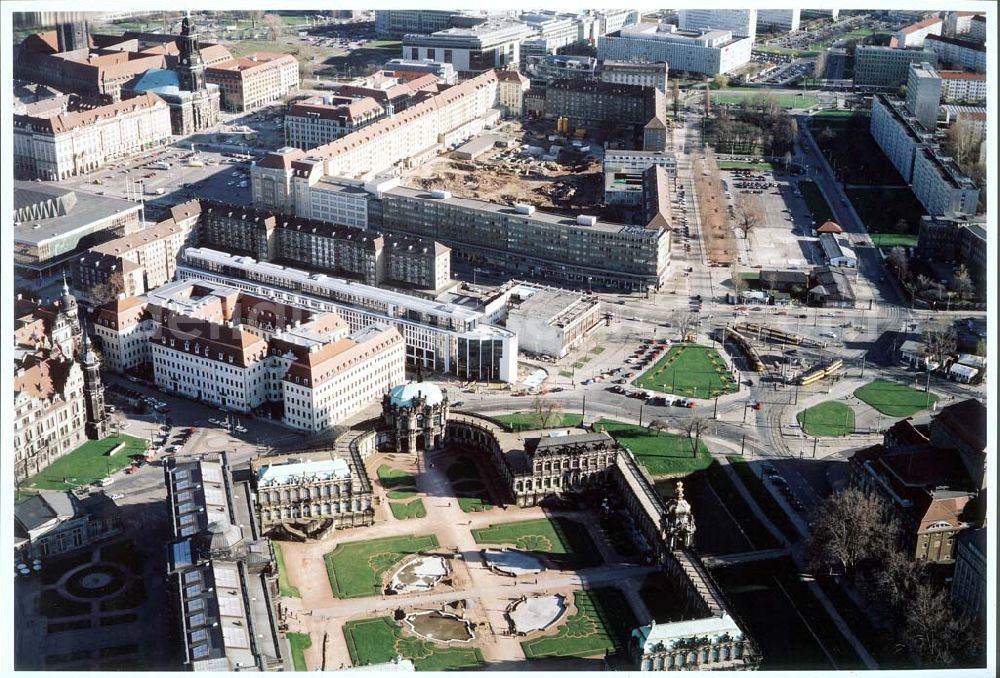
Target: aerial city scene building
518 339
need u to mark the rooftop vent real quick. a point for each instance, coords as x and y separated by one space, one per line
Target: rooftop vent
521 208
441 195
586 220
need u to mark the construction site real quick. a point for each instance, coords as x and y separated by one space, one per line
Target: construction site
516 164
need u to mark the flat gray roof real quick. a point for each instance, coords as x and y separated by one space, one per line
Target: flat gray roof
87 211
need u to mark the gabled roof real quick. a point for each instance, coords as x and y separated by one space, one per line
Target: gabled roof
830 227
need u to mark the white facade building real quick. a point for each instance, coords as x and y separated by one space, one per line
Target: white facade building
778 20
958 53
708 53
940 185
625 160
634 73
914 34
963 86
550 321
898 134
61 146
886 67
470 50
923 94
439 336
741 23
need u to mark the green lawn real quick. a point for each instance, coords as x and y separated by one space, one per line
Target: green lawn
784 100
87 464
689 370
831 418
755 166
469 486
882 209
565 542
355 569
530 421
893 240
400 484
380 640
300 642
895 400
284 588
601 624
404 510
816 202
663 454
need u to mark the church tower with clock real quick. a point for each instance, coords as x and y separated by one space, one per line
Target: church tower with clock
190 69
199 99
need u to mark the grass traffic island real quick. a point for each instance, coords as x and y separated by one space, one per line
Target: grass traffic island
662 454
355 569
468 485
300 642
87 464
895 400
532 421
830 418
285 589
380 640
689 370
893 240
600 625
564 542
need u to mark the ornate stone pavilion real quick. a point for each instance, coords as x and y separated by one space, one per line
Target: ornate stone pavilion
414 416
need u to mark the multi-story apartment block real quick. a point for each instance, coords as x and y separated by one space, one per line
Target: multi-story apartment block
594 103
440 336
68 144
623 160
915 34
635 73
897 133
969 580
923 94
940 186
742 23
527 242
959 23
958 54
445 72
137 262
483 47
249 82
554 30
511 90
887 67
303 494
778 20
440 120
368 256
563 67
963 86
977 29
322 119
396 23
702 52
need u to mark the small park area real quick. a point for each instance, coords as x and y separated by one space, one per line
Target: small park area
381 640
401 486
662 454
895 400
533 421
469 486
88 463
601 624
300 642
689 370
830 418
355 569
564 542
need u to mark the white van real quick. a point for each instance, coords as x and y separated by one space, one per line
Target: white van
104 482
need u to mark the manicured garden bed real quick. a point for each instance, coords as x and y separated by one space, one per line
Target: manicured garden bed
565 542
355 569
601 624
380 640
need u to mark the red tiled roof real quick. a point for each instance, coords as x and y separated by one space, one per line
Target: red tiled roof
961 75
830 227
913 28
65 122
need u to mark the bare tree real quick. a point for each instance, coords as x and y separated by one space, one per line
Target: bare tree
786 160
749 213
107 291
658 425
963 282
940 339
547 412
934 633
684 321
963 140
899 262
848 530
721 81
274 26
695 428
923 282
675 95
819 70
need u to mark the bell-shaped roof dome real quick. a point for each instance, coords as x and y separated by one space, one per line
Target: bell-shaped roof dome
404 394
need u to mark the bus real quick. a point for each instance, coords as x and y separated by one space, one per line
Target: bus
161 165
